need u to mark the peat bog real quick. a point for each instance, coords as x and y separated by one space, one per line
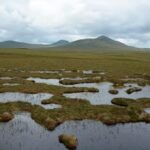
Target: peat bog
95 100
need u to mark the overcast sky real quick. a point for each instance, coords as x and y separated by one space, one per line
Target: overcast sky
46 21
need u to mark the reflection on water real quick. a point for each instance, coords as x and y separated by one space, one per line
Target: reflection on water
92 72
104 97
53 81
45 81
87 71
147 110
23 133
5 78
31 98
52 71
45 71
11 84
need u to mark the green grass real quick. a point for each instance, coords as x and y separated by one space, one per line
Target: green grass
72 82
31 87
76 109
117 65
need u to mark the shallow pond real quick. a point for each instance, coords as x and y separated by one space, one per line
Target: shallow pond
11 84
52 71
31 98
45 81
104 97
52 81
6 78
87 71
147 110
92 72
22 133
45 71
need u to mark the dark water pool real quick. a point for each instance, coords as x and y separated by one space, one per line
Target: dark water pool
104 97
31 98
23 133
101 97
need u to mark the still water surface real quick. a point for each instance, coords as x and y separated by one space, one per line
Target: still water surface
22 133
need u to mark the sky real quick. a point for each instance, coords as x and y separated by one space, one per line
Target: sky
46 21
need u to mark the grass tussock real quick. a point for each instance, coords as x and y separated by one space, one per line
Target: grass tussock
77 109
89 80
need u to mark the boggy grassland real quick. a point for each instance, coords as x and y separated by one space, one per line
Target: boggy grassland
20 64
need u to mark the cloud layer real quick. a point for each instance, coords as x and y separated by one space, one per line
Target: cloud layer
46 21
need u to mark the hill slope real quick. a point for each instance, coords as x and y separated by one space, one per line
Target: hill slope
101 42
15 44
60 43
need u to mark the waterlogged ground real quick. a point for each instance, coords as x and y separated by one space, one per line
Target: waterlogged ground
45 81
31 98
22 133
101 97
147 110
51 81
12 84
104 97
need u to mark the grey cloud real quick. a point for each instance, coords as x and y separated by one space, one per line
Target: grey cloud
47 21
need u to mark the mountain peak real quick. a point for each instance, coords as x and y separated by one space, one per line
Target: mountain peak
102 42
99 43
60 43
10 41
103 37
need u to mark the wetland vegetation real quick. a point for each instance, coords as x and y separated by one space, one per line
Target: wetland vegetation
121 93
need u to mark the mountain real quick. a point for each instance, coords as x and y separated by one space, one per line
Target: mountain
101 42
60 43
15 44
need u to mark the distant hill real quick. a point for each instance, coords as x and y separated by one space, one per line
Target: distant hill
60 43
15 44
100 43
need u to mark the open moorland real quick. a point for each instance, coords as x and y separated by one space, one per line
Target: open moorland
60 73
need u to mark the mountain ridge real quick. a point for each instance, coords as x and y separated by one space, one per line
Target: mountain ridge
97 43
101 42
60 43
